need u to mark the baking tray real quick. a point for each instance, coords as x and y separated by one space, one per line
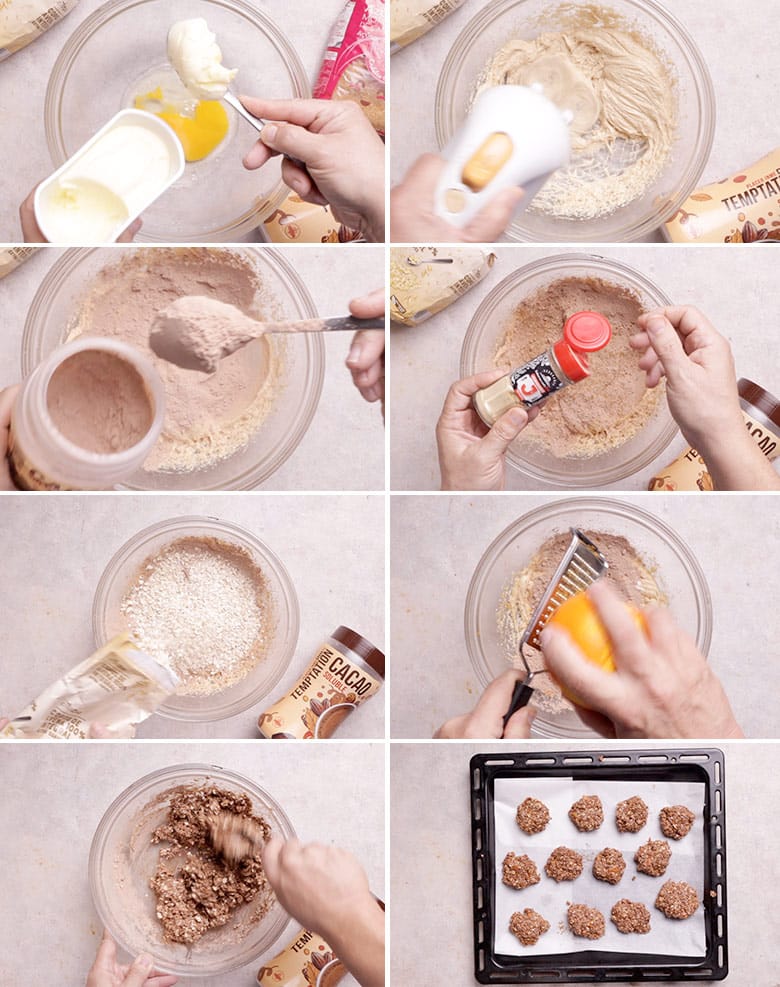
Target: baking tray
702 765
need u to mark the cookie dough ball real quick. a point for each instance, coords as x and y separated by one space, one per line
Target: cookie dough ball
631 815
519 872
563 864
609 866
587 813
585 922
630 916
532 816
676 899
529 926
653 857
676 821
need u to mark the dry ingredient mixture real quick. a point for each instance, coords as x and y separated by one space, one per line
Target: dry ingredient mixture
585 922
208 417
676 821
630 916
612 405
529 926
519 871
609 866
677 899
630 574
622 95
195 888
631 815
587 813
653 857
532 816
202 607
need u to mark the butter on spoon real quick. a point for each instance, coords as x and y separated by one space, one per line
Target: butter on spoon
196 332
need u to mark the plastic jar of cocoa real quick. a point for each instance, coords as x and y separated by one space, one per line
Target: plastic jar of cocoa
344 673
86 418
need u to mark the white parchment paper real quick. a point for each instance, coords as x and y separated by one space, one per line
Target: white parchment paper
668 937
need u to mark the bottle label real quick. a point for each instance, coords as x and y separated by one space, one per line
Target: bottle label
331 688
307 961
24 475
535 381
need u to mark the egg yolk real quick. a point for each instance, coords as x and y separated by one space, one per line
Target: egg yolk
199 134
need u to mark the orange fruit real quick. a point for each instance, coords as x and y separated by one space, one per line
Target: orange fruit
581 620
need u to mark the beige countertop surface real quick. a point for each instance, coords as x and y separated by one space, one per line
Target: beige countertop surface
54 796
25 75
431 861
734 288
438 542
742 71
332 547
344 446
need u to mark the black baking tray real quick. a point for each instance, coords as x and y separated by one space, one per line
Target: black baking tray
702 765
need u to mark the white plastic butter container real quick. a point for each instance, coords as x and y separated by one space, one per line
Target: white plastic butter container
110 181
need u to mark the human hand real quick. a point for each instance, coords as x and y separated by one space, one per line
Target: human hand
471 455
32 232
663 688
344 157
486 720
412 215
107 972
4 721
7 399
681 344
366 359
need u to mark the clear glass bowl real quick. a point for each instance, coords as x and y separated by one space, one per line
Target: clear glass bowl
500 21
119 875
479 345
114 50
677 571
57 300
107 621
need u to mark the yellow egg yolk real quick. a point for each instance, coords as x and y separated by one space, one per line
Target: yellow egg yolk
199 134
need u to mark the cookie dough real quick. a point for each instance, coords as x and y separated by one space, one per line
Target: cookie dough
676 821
609 865
195 888
519 871
677 900
563 864
653 857
532 816
586 922
630 916
587 813
529 926
631 815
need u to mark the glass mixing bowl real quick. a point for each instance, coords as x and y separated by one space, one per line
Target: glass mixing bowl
107 620
122 861
479 345
57 301
111 54
676 570
502 20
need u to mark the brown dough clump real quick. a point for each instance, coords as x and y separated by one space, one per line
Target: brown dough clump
653 857
630 916
585 922
609 866
587 813
676 899
529 926
532 816
676 821
519 872
563 864
631 815
204 890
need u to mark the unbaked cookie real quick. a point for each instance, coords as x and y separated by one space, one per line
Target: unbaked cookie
587 813
519 871
631 815
630 916
653 857
586 922
563 864
529 926
609 866
532 816
676 899
676 821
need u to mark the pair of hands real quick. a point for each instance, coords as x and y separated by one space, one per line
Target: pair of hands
662 688
678 343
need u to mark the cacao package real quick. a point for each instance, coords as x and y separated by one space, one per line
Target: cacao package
22 21
13 257
411 19
426 280
742 209
305 222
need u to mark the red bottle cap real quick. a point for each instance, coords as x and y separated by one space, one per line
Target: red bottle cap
573 364
587 332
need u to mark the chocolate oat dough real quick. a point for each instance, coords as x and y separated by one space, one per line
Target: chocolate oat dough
613 404
197 889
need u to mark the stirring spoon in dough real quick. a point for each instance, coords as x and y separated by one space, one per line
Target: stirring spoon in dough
196 332
235 837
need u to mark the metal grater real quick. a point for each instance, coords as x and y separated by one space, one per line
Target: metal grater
580 567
